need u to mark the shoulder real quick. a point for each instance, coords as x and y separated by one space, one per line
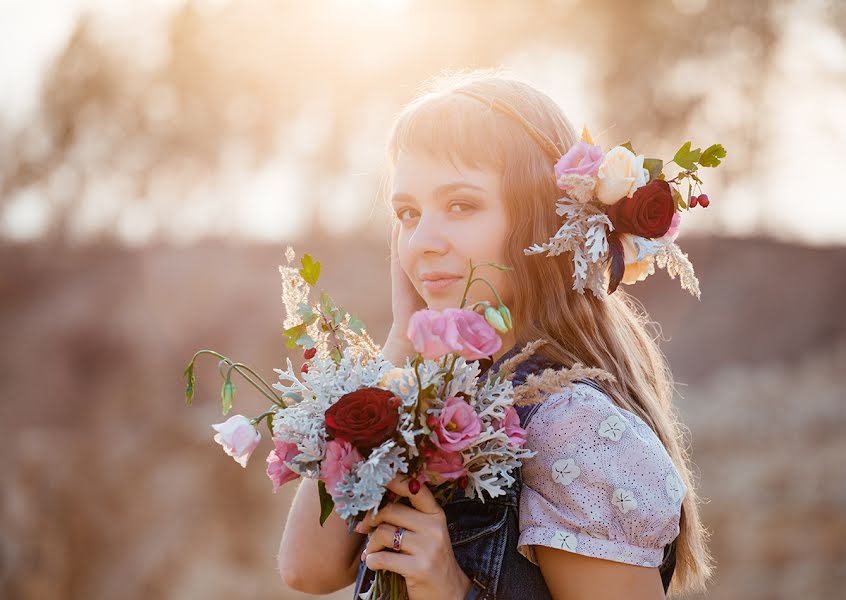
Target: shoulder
601 483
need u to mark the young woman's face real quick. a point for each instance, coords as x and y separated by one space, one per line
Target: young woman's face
449 216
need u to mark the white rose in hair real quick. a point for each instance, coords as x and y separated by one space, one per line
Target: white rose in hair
619 175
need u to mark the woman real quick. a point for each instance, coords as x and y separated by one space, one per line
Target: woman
600 516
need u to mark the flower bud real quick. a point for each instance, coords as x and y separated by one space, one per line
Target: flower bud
506 315
494 317
226 395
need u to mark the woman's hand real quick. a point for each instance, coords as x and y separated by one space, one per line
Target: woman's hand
405 301
425 558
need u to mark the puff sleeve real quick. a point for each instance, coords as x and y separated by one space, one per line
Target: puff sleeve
602 484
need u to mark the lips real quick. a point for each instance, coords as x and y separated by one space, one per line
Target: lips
438 280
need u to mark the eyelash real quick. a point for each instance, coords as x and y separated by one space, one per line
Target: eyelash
465 204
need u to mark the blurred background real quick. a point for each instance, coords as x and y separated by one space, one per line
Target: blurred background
156 158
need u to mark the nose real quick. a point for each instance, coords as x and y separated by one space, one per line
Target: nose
428 237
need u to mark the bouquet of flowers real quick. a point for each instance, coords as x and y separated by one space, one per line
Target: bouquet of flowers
622 214
353 421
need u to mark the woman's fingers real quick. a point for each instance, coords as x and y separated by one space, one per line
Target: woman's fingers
392 561
383 537
423 500
395 514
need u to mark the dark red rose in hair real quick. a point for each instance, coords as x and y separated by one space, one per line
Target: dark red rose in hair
648 213
365 418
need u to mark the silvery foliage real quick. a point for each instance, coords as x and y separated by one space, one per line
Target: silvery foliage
493 398
490 463
302 422
585 234
363 488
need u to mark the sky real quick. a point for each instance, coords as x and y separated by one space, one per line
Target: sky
798 198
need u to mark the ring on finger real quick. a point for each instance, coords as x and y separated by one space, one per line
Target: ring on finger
398 533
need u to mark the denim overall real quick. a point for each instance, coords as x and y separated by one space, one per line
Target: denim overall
484 535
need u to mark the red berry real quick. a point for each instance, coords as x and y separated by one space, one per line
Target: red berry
693 201
431 421
704 201
309 354
413 486
463 481
304 368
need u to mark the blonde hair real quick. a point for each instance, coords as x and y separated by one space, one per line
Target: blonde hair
449 120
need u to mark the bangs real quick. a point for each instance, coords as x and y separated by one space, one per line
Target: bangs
451 128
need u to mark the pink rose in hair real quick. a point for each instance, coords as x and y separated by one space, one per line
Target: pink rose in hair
511 425
341 457
277 470
445 466
465 332
458 425
581 159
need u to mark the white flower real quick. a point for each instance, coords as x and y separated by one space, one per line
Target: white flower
619 175
624 500
675 488
612 428
565 470
564 540
238 437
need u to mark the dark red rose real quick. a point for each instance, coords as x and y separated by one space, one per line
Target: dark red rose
648 213
365 418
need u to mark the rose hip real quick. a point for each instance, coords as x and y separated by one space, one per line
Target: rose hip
309 354
304 368
704 201
414 486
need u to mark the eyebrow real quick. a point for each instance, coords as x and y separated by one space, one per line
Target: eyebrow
441 190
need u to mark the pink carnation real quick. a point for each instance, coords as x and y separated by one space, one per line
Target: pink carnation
511 425
465 332
458 425
341 457
444 466
581 159
277 470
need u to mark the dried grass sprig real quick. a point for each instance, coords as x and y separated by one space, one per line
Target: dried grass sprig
538 387
506 369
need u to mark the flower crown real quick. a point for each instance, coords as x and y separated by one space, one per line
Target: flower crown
621 213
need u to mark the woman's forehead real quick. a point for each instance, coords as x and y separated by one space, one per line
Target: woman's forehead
418 173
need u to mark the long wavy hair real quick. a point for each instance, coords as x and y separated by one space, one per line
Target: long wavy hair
614 333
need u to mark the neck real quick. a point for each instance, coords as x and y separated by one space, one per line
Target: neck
508 341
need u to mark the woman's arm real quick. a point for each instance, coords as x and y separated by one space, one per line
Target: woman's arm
315 559
571 576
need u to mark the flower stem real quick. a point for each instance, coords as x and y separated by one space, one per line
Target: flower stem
237 367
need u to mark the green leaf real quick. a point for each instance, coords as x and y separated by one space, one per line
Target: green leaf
325 303
712 155
189 388
628 146
335 355
327 505
227 394
311 269
687 158
306 313
294 333
654 166
356 324
677 197
337 317
305 341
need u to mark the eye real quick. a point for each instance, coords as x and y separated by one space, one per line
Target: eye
463 207
403 211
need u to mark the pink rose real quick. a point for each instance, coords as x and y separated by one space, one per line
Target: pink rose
581 159
341 457
458 425
277 470
445 466
673 231
238 437
465 332
512 428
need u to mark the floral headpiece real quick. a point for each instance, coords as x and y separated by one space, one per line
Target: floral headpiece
621 213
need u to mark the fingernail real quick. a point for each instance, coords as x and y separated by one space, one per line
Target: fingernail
364 555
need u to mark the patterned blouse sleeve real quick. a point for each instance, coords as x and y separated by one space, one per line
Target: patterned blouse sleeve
602 484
